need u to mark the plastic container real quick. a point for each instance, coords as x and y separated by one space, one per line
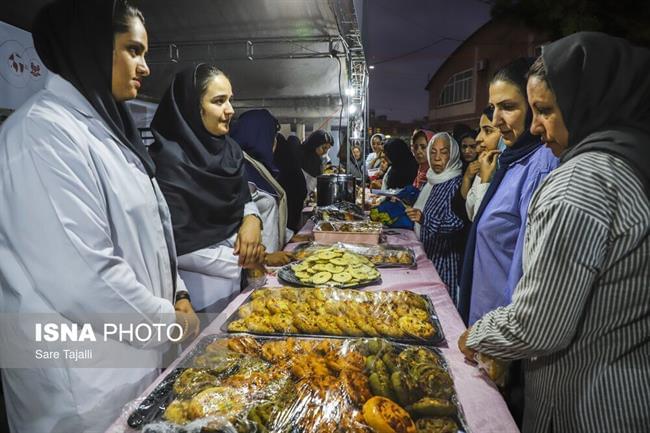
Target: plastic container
349 232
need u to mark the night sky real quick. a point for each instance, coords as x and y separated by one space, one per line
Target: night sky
395 28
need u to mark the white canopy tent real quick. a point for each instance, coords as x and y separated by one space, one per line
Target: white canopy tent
301 59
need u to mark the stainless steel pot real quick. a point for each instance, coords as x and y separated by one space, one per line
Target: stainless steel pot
333 188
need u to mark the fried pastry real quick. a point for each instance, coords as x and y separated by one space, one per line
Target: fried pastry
411 325
306 323
277 305
283 323
259 323
216 401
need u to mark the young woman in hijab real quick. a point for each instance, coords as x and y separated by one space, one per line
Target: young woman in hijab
286 158
581 313
466 139
473 187
85 230
373 159
419 142
355 166
377 178
440 229
312 152
255 131
403 167
492 262
487 141
217 228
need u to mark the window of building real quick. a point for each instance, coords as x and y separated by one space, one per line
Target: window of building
457 89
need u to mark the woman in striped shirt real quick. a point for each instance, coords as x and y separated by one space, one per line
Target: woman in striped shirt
440 228
580 315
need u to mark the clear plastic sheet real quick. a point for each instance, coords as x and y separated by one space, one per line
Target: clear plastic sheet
495 369
400 316
250 384
382 256
341 211
331 267
348 226
362 232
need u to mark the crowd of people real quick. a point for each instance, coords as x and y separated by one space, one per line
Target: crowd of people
538 223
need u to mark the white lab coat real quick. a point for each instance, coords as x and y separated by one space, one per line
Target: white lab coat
212 274
475 196
84 233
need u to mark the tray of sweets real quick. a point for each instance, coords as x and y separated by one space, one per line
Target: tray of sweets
382 256
248 384
331 267
400 316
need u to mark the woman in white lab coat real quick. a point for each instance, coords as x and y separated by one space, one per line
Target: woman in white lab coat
84 230
217 228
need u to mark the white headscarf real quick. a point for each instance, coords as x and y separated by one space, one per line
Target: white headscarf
453 169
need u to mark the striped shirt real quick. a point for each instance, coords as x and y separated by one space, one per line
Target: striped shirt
580 315
441 233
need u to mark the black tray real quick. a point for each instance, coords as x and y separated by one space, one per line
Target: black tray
287 275
153 406
436 339
365 250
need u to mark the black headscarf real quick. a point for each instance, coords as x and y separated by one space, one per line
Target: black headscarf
404 167
74 38
254 131
311 162
286 158
201 175
602 85
523 146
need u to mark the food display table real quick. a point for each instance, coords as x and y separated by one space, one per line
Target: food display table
484 408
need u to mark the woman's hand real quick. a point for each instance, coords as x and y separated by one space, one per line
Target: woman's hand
414 215
248 245
472 169
462 346
279 258
488 161
187 318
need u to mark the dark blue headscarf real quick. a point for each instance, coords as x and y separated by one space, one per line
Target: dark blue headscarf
255 131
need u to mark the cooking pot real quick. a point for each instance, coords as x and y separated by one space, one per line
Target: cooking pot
333 188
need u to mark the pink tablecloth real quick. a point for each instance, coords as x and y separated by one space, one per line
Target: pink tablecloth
485 409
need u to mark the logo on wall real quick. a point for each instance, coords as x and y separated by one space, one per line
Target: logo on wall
16 63
20 66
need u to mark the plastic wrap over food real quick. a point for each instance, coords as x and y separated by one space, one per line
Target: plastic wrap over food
401 316
331 267
382 256
249 384
495 369
341 211
348 227
362 232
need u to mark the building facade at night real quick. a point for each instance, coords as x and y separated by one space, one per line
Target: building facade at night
394 128
458 91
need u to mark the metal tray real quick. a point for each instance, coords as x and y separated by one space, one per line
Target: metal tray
148 415
368 252
287 275
437 338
